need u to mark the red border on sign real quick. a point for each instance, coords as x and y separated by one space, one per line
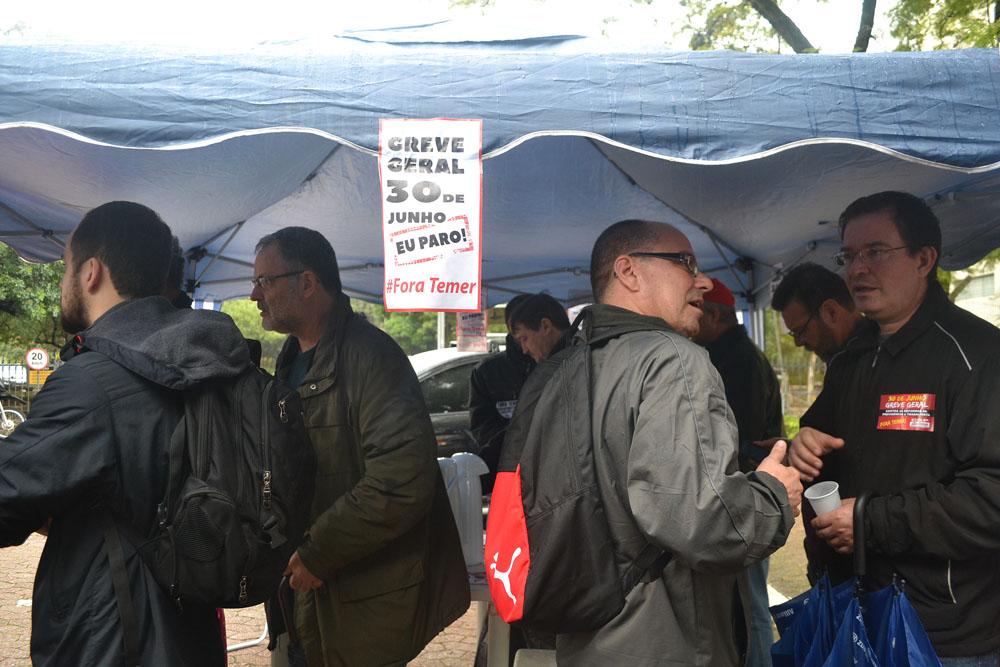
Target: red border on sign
27 359
479 263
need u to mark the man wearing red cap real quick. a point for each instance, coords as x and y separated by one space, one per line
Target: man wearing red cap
753 393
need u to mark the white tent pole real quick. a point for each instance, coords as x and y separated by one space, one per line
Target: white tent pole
442 337
810 249
236 228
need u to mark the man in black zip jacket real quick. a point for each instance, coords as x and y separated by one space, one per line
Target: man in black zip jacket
493 390
94 447
908 416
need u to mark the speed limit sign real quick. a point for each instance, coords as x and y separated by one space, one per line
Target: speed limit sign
37 359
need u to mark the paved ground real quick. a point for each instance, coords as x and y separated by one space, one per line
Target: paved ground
455 647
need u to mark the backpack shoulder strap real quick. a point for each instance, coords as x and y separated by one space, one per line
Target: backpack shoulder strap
650 562
119 580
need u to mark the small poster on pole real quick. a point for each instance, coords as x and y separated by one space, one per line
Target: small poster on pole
471 332
432 179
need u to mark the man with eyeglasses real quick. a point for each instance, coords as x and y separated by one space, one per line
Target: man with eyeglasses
665 455
908 415
817 309
380 571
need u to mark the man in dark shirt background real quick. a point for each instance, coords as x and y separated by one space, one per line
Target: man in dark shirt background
754 395
493 389
817 308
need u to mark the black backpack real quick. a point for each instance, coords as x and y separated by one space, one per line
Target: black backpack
239 491
238 499
549 551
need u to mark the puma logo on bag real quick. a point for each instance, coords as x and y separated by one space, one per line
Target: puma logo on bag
504 577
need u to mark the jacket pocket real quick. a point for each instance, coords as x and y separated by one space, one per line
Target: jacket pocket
398 565
929 580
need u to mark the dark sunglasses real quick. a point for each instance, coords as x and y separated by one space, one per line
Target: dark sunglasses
685 259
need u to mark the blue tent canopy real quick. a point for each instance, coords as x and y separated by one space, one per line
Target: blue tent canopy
753 156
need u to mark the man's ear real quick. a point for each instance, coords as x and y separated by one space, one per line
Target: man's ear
624 273
309 283
927 256
545 325
830 311
92 275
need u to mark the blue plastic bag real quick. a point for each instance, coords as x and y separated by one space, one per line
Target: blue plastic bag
851 645
901 640
808 619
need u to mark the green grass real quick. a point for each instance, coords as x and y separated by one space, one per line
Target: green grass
791 425
787 573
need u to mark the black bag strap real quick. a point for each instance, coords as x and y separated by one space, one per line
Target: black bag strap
650 562
119 579
860 561
647 566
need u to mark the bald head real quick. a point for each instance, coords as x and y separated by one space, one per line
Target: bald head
620 239
649 268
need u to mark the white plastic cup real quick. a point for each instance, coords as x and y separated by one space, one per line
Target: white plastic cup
824 497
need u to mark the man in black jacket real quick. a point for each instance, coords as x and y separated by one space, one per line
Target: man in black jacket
493 390
908 416
754 395
538 325
93 447
817 309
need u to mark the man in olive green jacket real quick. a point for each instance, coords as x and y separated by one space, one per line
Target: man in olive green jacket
380 571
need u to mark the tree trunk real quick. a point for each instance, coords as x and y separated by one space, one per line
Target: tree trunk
810 379
784 26
957 286
865 26
786 398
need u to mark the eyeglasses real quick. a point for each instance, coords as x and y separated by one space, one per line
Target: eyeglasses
795 333
685 259
264 281
870 256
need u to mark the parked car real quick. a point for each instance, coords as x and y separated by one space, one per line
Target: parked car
444 380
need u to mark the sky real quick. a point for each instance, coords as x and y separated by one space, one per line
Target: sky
208 24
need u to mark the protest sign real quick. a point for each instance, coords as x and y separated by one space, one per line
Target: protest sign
432 178
471 332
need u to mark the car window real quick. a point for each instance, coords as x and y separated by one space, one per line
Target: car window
448 391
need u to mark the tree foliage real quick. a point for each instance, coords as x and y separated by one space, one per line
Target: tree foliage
945 24
954 283
753 25
727 25
247 318
29 304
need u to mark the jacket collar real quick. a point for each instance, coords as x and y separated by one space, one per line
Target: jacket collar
324 364
864 337
934 305
602 321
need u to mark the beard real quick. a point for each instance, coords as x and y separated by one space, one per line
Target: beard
73 314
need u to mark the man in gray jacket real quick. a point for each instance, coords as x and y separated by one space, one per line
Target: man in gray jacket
666 436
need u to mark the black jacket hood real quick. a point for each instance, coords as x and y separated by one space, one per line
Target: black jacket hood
173 348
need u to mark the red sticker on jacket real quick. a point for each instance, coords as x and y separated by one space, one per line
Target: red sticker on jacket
906 412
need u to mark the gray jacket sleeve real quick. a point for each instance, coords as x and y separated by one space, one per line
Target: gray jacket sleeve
684 487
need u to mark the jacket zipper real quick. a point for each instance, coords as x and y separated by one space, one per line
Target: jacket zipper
238 432
266 444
